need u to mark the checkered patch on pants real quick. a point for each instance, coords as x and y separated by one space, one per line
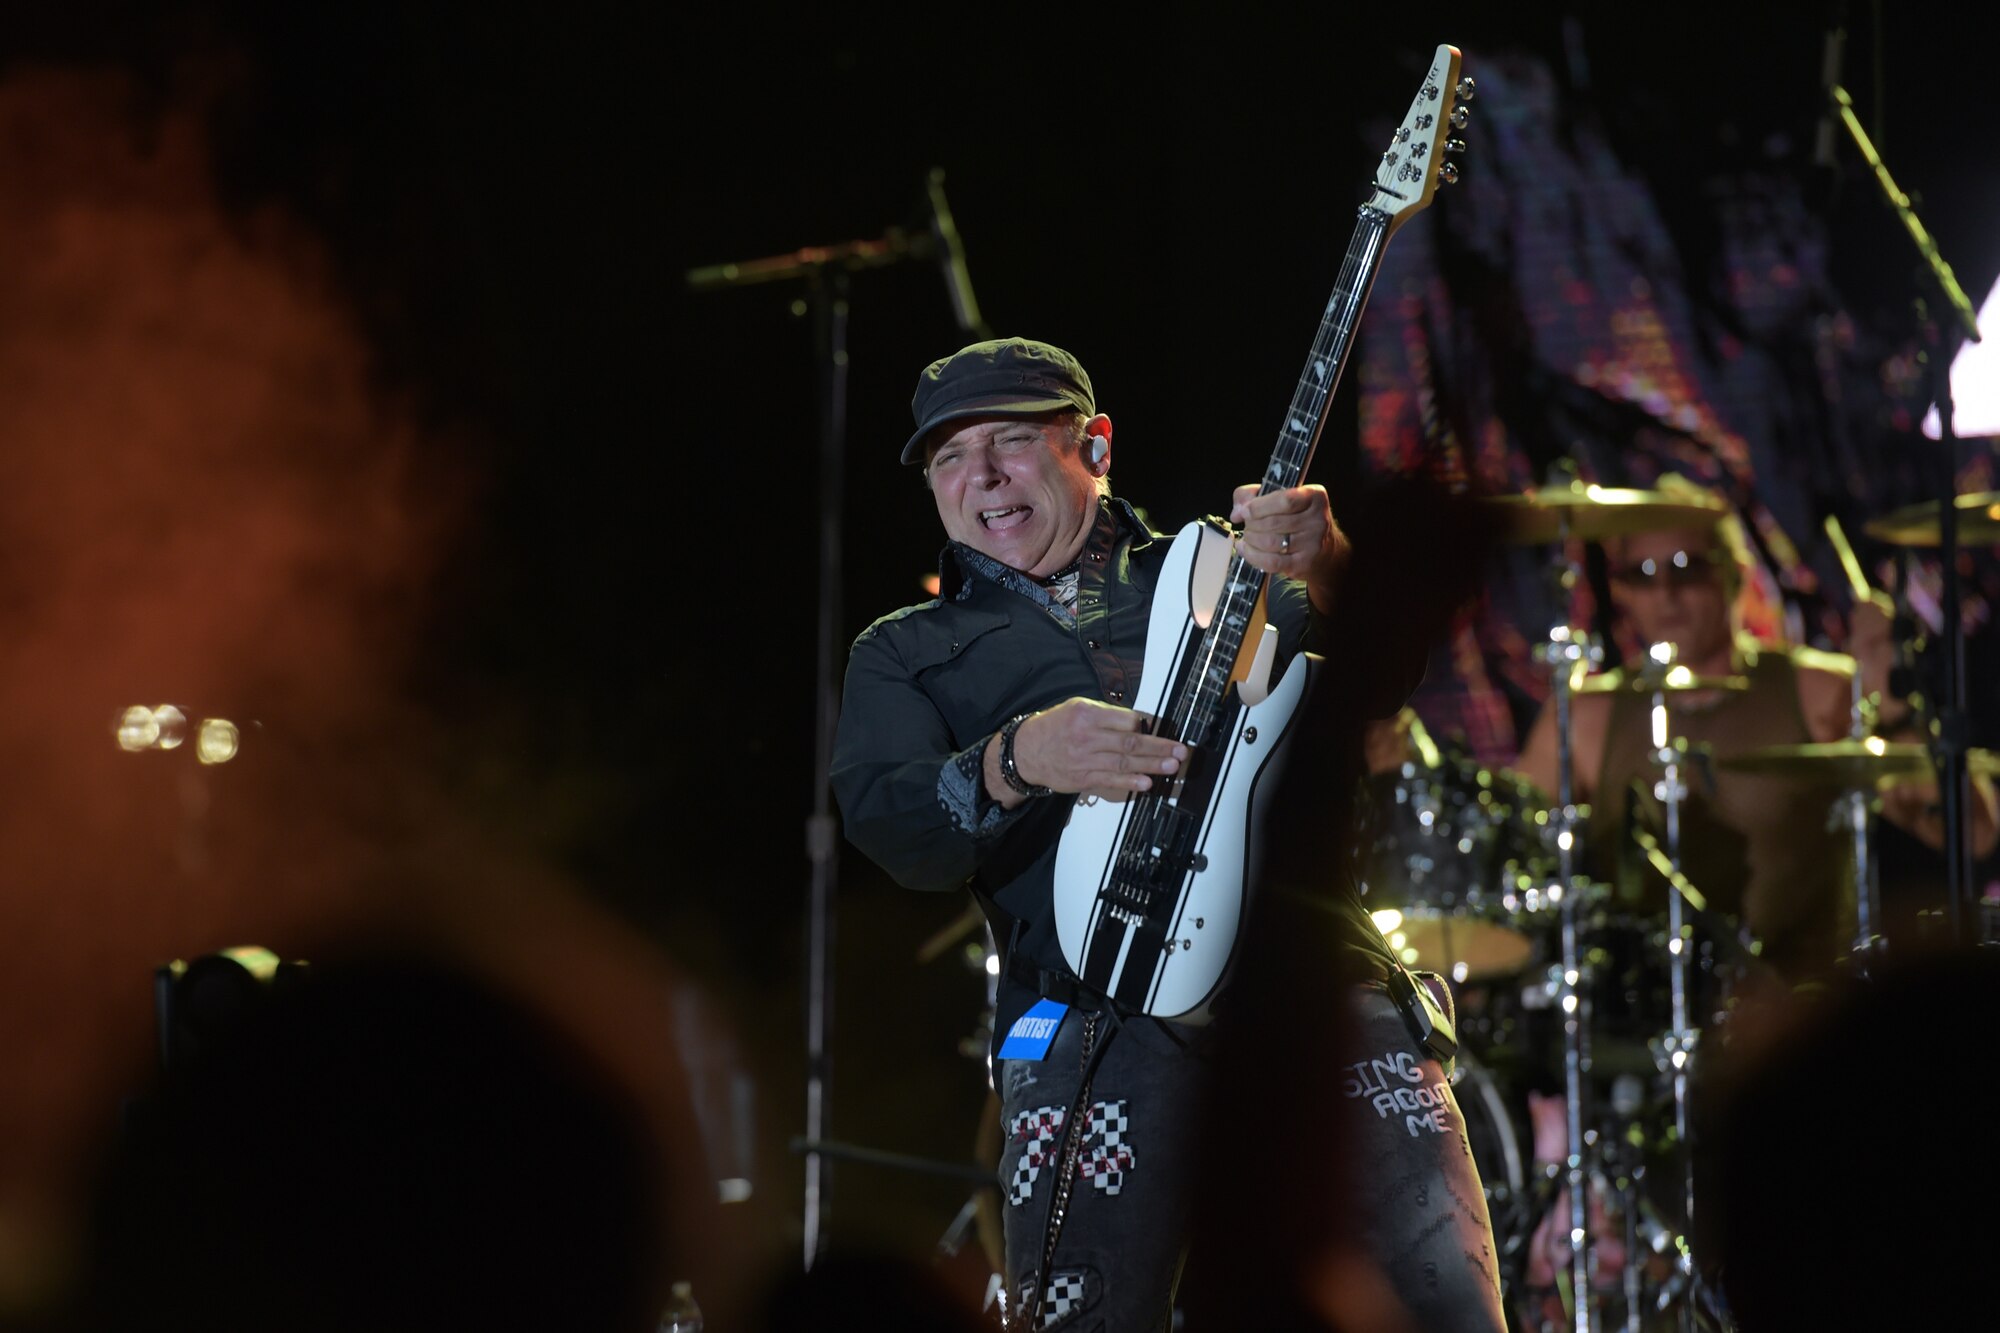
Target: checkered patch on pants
1070 1291
1106 1163
1104 1155
1037 1129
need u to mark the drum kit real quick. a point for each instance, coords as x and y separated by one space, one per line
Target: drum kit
1603 1015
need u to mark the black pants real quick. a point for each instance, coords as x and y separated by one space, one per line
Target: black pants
1127 1211
1422 1206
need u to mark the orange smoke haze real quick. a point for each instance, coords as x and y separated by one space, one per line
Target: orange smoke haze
203 501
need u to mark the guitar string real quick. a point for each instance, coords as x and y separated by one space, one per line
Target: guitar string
1245 581
1314 391
1347 292
1309 401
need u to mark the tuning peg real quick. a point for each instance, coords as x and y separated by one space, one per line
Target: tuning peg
1464 89
1454 145
1448 173
1459 115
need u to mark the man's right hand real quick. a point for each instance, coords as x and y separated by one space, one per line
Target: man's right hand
1081 745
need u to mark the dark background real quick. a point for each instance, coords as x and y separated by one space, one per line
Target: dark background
511 198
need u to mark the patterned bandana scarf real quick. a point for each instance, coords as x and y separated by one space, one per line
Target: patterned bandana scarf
1055 594
1062 592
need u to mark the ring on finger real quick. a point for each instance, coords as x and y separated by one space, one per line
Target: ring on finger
1285 544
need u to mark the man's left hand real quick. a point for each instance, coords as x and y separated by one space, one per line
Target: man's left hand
1291 532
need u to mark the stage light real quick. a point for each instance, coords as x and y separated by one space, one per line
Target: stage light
1975 380
1386 919
217 741
173 727
139 728
143 728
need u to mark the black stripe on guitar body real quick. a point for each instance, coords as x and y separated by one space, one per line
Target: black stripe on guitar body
1125 904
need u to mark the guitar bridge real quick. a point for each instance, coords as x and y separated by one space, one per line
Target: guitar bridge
1128 896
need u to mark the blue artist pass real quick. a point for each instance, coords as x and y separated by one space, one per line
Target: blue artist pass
1032 1032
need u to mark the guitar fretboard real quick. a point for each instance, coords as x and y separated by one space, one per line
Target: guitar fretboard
1199 706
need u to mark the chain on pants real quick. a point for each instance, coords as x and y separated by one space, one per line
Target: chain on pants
1126 1216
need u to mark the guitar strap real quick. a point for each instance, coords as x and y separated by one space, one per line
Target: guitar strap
1429 1016
1052 985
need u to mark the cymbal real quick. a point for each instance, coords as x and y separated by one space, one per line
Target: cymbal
1853 763
1676 680
1917 525
1547 513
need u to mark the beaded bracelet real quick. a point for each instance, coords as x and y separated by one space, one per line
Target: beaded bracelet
1008 771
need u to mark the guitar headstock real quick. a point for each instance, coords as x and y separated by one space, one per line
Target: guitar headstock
1416 159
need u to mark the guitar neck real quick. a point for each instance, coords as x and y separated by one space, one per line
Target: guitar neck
1132 876
1200 703
1306 416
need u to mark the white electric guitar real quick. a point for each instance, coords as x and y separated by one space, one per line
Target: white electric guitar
1149 891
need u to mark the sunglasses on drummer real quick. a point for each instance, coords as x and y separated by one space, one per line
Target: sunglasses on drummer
1682 569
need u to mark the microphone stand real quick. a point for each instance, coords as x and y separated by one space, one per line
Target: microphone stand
1949 746
825 271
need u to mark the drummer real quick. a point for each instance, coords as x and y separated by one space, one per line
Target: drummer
1759 846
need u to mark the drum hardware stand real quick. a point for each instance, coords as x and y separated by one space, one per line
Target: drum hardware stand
1676 1050
1628 1191
1953 731
1646 1235
1856 807
1569 649
1674 1053
977 1177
